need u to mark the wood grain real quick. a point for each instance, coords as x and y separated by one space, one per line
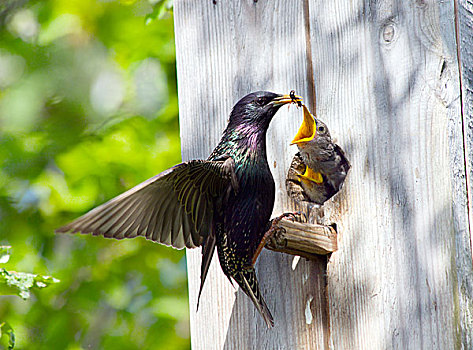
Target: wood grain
387 80
303 239
225 51
464 22
386 77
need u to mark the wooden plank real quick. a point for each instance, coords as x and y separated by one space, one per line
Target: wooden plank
464 42
464 28
387 83
224 51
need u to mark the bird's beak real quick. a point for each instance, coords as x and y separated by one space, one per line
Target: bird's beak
285 99
310 175
307 129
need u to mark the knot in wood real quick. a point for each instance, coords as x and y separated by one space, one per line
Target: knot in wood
277 240
421 3
388 33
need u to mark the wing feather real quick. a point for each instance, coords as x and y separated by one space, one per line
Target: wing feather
151 226
121 227
160 233
105 226
175 207
137 218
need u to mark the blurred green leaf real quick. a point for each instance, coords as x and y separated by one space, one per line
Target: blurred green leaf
7 336
161 9
4 254
22 282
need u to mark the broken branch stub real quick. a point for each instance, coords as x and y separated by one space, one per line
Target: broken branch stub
303 239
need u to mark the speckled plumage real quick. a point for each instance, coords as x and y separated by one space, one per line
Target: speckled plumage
245 215
224 202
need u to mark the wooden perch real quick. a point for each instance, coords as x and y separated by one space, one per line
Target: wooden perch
303 239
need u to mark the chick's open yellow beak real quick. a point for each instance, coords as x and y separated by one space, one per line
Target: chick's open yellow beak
310 175
307 129
285 99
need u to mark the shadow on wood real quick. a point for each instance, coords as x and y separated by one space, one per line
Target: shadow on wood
387 86
302 280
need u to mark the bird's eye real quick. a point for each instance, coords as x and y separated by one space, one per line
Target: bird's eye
260 101
321 129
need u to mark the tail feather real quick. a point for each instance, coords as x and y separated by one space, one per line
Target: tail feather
207 254
249 284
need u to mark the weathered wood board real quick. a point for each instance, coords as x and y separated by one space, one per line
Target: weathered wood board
387 83
464 30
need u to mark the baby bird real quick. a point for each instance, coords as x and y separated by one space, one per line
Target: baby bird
318 171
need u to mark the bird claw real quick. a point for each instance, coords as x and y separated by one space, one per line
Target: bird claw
289 216
272 230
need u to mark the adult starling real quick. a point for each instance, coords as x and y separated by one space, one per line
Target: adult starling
224 202
319 169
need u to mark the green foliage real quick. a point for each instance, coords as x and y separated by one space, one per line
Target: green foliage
161 9
7 336
4 253
12 282
88 109
20 283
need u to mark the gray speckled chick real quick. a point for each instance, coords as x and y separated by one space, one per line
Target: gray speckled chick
318 171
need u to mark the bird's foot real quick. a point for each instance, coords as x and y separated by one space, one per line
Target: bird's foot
273 228
290 215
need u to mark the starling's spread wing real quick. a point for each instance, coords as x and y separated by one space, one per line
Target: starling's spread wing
174 207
